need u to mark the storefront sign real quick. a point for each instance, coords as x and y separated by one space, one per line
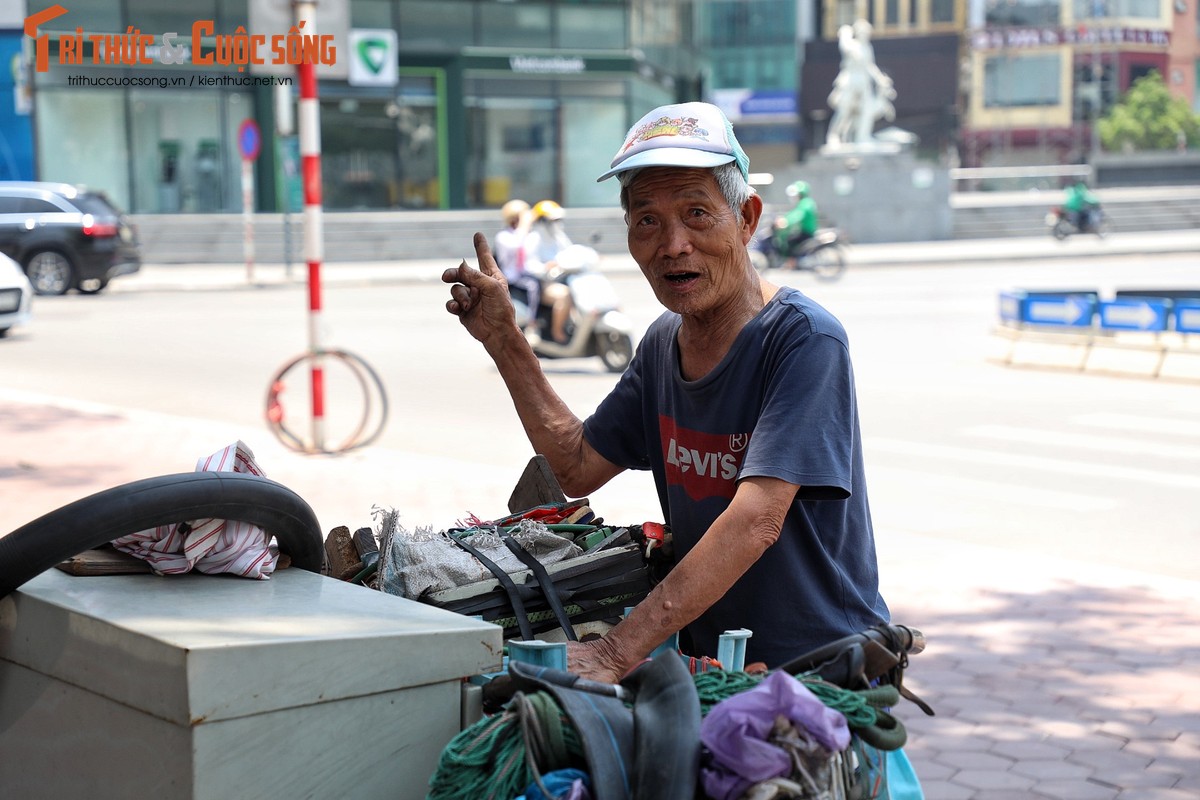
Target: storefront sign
1016 38
559 65
750 104
373 57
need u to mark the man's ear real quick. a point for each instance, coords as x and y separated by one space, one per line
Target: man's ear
751 215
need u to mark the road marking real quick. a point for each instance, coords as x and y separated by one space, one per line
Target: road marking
1135 422
1084 441
1020 461
1009 493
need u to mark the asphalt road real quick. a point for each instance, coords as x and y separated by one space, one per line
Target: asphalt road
1099 466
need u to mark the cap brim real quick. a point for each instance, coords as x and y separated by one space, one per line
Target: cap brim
669 157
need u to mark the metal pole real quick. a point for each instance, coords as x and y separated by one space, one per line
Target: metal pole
248 216
314 244
284 127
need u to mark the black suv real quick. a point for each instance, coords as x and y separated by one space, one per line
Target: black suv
65 237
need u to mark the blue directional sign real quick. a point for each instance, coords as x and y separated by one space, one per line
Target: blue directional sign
1187 316
1011 306
1141 314
1068 310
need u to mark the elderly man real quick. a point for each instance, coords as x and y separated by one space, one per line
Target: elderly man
740 401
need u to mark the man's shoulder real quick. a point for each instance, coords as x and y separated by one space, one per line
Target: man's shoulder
797 308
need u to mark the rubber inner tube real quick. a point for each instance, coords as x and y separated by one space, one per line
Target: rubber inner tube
99 518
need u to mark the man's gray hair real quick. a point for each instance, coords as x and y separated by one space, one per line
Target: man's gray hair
730 181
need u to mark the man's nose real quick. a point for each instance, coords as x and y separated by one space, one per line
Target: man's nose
676 240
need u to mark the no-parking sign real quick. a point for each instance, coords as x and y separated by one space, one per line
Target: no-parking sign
249 139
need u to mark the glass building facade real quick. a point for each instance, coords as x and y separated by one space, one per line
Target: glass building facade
493 100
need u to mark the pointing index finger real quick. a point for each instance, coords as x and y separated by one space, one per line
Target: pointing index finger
487 262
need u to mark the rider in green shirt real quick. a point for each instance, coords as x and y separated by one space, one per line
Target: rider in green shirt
1079 204
800 223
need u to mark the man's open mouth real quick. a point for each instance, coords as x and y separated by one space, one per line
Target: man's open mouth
681 277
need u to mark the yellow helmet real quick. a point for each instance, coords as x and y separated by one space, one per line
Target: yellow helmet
548 209
512 210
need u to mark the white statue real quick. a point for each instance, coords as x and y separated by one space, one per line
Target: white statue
862 93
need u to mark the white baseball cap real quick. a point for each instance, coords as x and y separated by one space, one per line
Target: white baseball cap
680 135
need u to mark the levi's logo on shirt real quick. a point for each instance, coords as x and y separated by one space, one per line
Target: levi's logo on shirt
704 464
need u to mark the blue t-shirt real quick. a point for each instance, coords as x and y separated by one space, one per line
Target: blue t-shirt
780 404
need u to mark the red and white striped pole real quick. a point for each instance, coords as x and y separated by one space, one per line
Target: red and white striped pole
309 118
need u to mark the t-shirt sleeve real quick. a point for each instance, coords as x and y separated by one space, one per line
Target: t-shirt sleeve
617 429
805 433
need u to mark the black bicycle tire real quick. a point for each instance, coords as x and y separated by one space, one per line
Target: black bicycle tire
106 515
829 271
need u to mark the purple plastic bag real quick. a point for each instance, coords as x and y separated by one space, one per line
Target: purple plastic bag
736 730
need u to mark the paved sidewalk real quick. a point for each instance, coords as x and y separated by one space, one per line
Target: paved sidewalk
1052 679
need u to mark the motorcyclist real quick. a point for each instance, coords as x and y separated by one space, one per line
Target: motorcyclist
511 246
798 225
547 238
1081 206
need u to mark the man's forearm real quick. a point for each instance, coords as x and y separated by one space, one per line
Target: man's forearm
736 540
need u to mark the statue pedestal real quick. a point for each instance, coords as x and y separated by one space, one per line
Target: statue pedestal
874 191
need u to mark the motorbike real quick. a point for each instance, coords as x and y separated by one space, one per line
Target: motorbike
596 325
1059 222
824 254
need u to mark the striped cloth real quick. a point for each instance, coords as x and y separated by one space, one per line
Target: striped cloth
208 545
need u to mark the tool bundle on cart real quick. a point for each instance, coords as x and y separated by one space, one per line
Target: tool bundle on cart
554 566
548 566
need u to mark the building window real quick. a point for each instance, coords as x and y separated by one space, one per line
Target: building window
437 24
1028 80
1025 13
178 162
81 139
1094 89
845 13
514 25
1101 9
593 28
941 11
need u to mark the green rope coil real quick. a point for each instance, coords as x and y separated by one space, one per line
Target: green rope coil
716 685
487 760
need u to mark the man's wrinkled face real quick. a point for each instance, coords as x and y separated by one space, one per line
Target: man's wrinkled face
686 238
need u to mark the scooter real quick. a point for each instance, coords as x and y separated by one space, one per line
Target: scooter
596 325
824 254
1060 225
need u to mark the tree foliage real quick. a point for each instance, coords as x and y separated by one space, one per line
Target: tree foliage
1149 118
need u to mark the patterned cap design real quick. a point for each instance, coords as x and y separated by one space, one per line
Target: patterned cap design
680 135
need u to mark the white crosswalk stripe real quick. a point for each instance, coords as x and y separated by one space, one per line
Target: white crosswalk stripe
1084 441
979 491
1171 426
1023 461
